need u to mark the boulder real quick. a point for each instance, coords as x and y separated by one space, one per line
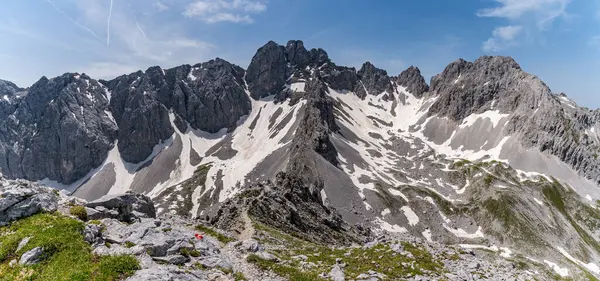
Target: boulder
126 207
251 245
337 273
23 243
19 199
32 256
215 261
93 234
174 259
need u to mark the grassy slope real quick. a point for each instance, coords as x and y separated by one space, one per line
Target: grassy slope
67 255
379 258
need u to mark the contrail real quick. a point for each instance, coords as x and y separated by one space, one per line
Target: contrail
108 24
136 23
80 25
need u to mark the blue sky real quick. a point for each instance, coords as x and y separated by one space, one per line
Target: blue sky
558 40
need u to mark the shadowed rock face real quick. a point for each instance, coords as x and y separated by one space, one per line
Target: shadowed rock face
414 82
59 130
372 81
209 96
266 74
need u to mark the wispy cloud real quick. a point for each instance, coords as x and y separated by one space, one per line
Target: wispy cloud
213 11
543 11
71 19
522 15
502 38
160 6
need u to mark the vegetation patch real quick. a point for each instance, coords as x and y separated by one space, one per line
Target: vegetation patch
321 258
80 212
66 255
185 189
209 231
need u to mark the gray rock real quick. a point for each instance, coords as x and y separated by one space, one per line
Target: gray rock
413 81
337 273
20 199
266 74
300 257
251 245
214 261
179 246
169 273
372 81
267 256
92 234
296 54
125 207
464 88
174 259
23 243
32 256
58 130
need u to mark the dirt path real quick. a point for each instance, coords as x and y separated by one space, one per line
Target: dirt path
248 231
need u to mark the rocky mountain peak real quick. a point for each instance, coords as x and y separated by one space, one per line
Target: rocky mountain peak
414 82
273 65
372 81
297 54
8 88
496 63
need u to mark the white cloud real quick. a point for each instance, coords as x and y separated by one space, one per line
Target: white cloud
530 15
213 11
160 6
543 10
502 38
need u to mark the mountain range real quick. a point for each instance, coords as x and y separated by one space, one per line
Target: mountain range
484 156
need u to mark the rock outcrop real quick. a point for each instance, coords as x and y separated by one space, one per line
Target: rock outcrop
209 96
413 81
127 207
540 119
20 199
372 81
60 130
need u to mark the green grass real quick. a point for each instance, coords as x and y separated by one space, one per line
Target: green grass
555 194
380 258
67 255
129 244
187 252
79 212
292 273
238 276
209 231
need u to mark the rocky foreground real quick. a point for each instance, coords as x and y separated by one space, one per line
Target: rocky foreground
125 228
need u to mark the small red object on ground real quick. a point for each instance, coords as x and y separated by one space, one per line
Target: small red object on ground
198 236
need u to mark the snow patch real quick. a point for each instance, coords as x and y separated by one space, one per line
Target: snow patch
563 272
590 266
427 235
413 219
298 87
398 193
385 212
390 227
493 115
461 233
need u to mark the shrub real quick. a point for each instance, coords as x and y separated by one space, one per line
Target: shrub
79 212
116 267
